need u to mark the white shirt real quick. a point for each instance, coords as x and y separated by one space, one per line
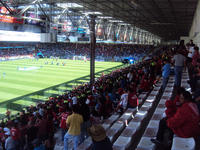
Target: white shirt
179 60
74 100
124 100
129 76
191 52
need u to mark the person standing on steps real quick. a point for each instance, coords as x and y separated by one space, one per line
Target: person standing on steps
73 122
165 73
179 64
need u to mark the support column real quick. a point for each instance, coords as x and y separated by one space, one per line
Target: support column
126 34
139 37
119 32
114 31
92 48
131 35
109 32
143 37
135 40
105 26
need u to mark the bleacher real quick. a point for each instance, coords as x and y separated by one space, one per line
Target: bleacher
135 127
178 142
122 129
152 127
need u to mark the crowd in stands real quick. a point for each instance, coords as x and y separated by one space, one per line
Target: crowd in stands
15 49
112 93
14 52
89 104
68 50
182 115
103 50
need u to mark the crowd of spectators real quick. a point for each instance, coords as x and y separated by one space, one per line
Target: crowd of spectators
68 50
182 115
34 127
103 50
15 49
14 52
90 104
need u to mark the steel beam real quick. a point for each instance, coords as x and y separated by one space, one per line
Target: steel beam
92 48
7 7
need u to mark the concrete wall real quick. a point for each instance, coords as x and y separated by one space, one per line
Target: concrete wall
195 29
185 38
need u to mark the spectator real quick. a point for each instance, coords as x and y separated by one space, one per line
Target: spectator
144 85
99 138
132 99
165 73
180 61
63 125
41 123
85 112
123 101
37 144
184 123
10 144
197 98
196 56
107 106
73 122
2 138
95 118
50 143
173 105
15 134
8 113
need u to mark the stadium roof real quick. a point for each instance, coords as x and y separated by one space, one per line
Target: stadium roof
168 19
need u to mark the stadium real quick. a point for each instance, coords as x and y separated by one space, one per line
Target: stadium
99 75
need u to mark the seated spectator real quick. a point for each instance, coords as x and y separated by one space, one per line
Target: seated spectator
85 112
99 138
41 123
184 123
37 144
144 85
50 143
132 99
95 118
173 105
197 98
63 125
2 138
31 134
108 107
196 56
10 144
123 102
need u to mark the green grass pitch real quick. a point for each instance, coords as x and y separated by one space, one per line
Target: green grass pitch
21 77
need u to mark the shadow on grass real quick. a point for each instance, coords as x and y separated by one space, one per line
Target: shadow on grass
68 85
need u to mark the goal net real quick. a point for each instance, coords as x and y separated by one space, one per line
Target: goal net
79 57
